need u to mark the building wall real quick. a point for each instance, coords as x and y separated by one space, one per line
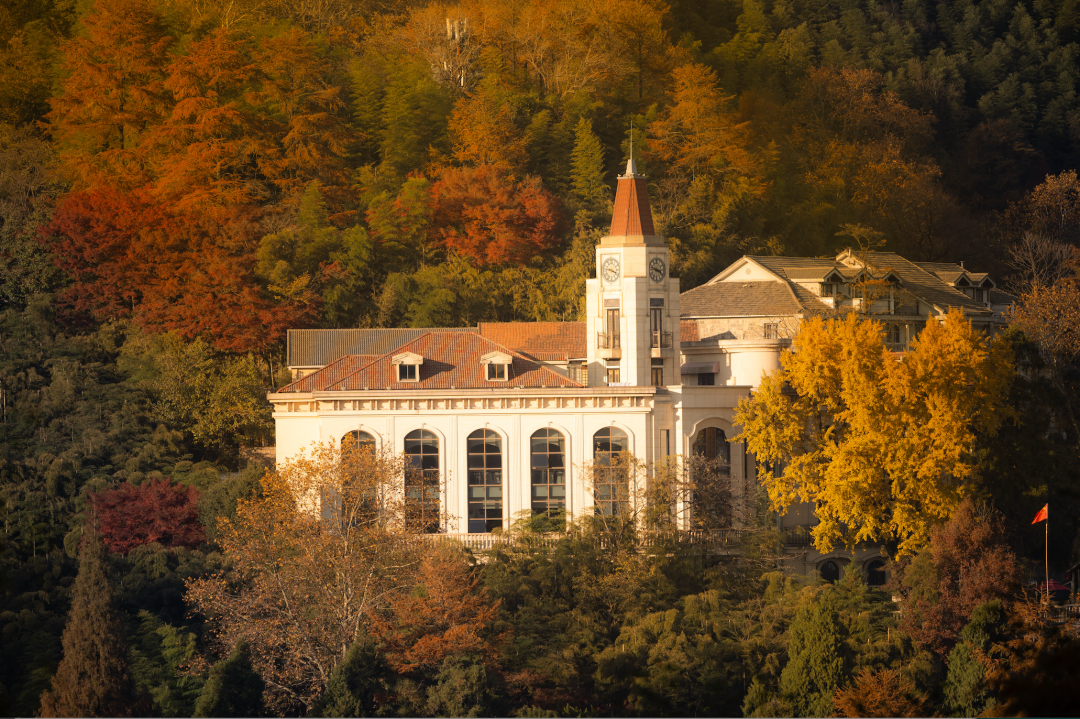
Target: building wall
298 430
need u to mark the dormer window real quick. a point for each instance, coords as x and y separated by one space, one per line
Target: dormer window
497 366
408 366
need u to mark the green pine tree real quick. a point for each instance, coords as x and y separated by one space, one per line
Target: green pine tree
815 665
354 684
966 692
93 679
590 193
233 689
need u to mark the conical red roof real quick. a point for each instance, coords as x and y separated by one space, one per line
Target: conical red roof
632 214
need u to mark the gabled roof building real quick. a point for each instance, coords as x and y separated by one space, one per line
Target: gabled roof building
505 415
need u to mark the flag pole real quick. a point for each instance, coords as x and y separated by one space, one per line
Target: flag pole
1046 559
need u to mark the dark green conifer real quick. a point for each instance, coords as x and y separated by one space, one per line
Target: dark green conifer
816 663
233 689
354 684
590 193
93 679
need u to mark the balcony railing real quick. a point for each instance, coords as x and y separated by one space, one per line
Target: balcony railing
661 340
607 340
896 346
797 536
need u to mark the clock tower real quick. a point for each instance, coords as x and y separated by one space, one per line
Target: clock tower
633 304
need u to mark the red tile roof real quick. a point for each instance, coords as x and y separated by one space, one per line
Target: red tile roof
544 341
329 374
451 361
632 215
688 331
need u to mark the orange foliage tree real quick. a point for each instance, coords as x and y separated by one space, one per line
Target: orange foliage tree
113 91
446 613
487 215
192 273
311 560
881 693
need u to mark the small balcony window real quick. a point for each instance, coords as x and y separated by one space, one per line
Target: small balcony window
706 379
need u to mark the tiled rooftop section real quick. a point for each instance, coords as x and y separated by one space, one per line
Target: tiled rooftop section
924 285
740 299
546 341
451 361
688 331
329 374
318 348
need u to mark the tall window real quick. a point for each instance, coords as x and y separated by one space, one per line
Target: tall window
485 480
830 571
772 331
658 376
656 325
422 481
611 488
711 443
613 328
363 440
548 461
613 374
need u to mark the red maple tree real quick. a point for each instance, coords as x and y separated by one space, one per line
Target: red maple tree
969 562
484 213
155 511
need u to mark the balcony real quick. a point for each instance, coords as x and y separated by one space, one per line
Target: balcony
607 340
661 340
896 346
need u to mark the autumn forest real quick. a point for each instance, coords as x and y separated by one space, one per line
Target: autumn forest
183 181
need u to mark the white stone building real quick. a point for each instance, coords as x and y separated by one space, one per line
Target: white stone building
506 415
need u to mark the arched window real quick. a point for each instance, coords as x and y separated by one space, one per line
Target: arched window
875 573
548 463
830 571
363 440
422 481
711 443
485 480
709 474
611 488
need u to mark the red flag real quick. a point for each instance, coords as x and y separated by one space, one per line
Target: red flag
1041 516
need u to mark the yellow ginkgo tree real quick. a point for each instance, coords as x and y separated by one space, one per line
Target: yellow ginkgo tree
883 444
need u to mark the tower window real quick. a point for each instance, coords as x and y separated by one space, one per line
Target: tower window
772 331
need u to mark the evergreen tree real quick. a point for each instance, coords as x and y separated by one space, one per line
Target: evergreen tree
816 665
590 193
966 690
354 684
233 689
93 679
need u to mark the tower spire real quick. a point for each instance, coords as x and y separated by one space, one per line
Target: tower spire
631 166
632 216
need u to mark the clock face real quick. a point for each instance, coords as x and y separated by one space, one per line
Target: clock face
656 269
611 270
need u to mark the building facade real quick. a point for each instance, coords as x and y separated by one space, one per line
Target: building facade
503 418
